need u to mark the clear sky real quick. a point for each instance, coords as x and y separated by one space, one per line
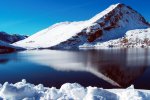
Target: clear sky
30 16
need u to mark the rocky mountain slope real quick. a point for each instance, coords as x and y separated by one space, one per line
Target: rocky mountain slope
139 38
110 24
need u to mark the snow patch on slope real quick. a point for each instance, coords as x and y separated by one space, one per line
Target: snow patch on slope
27 91
4 44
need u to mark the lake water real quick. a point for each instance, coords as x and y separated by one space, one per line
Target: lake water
110 68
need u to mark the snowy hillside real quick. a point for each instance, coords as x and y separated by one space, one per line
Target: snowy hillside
26 91
112 23
11 38
138 38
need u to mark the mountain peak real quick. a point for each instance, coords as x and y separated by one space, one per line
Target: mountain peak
111 23
120 13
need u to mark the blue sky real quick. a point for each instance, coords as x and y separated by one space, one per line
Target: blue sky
30 16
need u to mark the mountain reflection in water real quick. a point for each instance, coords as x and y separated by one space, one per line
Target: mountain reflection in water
119 67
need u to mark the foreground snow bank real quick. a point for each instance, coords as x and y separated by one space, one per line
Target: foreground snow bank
26 91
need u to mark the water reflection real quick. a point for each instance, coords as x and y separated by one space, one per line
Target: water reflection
5 58
119 67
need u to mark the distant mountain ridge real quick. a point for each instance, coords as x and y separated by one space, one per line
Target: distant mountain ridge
112 23
6 40
11 38
8 48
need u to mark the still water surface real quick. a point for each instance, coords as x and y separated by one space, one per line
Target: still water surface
110 68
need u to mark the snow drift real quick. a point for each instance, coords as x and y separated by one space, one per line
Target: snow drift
26 91
111 23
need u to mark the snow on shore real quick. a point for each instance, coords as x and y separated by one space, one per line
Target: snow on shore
26 91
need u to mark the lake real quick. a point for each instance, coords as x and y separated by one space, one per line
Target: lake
107 68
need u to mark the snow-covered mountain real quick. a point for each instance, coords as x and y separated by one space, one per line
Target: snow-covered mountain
111 23
11 38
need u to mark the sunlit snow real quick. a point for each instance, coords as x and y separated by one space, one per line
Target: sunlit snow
27 91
